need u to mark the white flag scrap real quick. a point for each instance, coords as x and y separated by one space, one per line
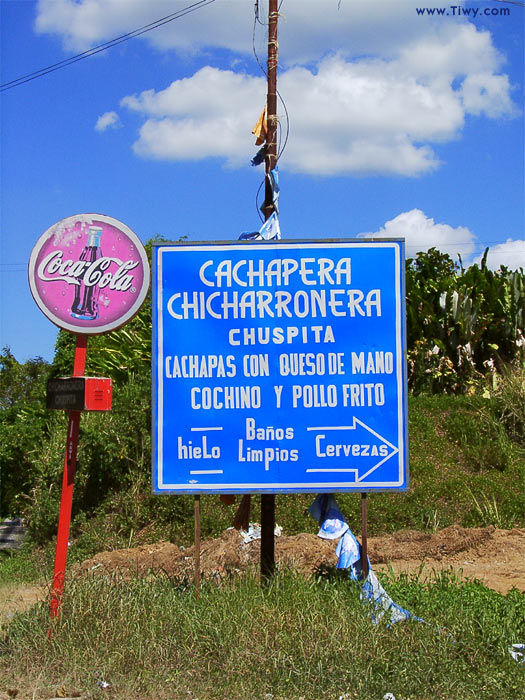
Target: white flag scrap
270 230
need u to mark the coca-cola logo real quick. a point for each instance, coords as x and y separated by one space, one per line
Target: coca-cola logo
89 273
53 268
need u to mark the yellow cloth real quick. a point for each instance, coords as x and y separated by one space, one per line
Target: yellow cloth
259 130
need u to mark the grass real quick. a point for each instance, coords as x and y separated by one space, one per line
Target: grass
466 459
25 565
453 480
298 638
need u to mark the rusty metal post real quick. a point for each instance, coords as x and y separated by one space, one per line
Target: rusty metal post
241 520
268 499
364 536
267 536
197 510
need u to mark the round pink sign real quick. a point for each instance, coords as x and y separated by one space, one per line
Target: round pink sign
89 273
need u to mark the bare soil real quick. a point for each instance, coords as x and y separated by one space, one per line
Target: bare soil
495 557
15 599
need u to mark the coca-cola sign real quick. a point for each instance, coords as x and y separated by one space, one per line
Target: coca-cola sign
89 273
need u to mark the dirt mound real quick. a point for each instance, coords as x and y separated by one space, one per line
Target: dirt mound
496 557
227 553
411 544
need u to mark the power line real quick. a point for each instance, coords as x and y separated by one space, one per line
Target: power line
106 45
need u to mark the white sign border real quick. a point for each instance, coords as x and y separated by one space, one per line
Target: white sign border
402 484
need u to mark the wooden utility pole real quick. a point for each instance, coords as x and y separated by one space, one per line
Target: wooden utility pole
271 105
268 499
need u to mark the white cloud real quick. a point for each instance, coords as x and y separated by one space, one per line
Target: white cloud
367 116
379 86
83 24
511 254
108 120
421 233
191 119
307 28
489 94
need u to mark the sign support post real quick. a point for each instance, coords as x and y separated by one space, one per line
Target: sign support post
364 535
197 512
66 499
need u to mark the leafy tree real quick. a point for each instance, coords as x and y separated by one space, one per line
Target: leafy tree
22 425
114 448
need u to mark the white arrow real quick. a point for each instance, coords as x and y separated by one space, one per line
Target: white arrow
356 421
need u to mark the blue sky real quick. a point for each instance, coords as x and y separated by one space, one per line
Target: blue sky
400 124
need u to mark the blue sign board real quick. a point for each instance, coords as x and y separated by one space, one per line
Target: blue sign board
279 367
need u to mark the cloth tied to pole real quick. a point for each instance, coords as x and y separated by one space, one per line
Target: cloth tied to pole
270 230
333 526
259 157
260 129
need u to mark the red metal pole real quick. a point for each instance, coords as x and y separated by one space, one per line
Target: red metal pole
66 499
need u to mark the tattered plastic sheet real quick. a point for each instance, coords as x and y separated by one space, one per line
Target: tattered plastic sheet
333 525
326 511
269 231
259 157
517 651
261 128
254 532
250 236
273 179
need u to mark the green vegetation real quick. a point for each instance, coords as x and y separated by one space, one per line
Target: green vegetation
297 638
25 565
462 325
466 359
466 457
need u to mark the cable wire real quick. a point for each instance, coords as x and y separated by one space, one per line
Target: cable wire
513 2
106 45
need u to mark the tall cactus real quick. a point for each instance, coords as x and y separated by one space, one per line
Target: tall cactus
461 323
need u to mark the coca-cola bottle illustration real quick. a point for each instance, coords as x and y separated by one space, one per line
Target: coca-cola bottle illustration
85 303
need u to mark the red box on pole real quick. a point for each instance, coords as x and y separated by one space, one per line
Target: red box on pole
80 393
98 394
